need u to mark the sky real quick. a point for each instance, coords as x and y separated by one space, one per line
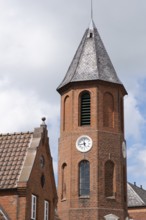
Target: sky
38 39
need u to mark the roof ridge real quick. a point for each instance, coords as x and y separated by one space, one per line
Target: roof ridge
15 133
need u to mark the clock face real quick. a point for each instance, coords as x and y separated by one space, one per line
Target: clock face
84 143
124 149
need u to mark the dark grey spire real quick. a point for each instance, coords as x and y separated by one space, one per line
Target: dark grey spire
91 61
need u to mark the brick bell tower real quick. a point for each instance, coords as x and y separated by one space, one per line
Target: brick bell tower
92 151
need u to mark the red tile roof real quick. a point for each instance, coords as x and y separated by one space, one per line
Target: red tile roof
13 149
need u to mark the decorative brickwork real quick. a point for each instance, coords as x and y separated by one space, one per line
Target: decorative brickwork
108 110
109 179
67 106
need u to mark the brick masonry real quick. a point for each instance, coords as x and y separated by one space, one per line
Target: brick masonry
138 213
107 145
16 202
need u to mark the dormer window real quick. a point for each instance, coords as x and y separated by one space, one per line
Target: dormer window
91 35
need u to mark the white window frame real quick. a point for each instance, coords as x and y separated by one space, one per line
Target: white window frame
46 210
33 207
1 212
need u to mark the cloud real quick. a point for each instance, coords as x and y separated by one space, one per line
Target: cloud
134 120
21 110
142 158
136 154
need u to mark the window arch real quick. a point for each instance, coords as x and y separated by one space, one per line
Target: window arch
85 113
108 110
64 176
84 178
66 117
109 178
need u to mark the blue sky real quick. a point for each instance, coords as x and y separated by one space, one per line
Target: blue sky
38 40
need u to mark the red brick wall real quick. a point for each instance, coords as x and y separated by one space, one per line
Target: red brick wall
107 144
137 214
34 185
9 201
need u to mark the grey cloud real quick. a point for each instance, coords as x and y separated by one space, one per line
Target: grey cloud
38 40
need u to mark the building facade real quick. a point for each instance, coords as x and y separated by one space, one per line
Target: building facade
27 185
92 149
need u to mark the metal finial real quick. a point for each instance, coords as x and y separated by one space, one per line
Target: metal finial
44 119
91 9
43 122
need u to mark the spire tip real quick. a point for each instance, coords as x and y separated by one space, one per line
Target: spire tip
91 10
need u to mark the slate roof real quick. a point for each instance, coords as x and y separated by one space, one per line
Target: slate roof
13 149
91 61
136 196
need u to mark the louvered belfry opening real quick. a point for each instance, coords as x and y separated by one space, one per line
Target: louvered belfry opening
85 108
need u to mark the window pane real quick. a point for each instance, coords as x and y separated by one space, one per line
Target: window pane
84 178
46 210
33 207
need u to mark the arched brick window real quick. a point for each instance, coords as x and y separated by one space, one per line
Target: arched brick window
85 108
108 110
84 178
109 178
64 176
67 115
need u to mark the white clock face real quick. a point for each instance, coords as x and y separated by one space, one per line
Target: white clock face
124 149
84 143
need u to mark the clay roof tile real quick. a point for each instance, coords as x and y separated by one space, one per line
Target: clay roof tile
13 148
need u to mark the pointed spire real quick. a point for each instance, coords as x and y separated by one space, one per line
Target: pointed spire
91 61
92 25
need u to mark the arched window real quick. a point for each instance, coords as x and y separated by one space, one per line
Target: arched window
109 178
84 178
85 109
67 114
64 176
108 110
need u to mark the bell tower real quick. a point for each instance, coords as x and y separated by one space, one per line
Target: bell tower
92 152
